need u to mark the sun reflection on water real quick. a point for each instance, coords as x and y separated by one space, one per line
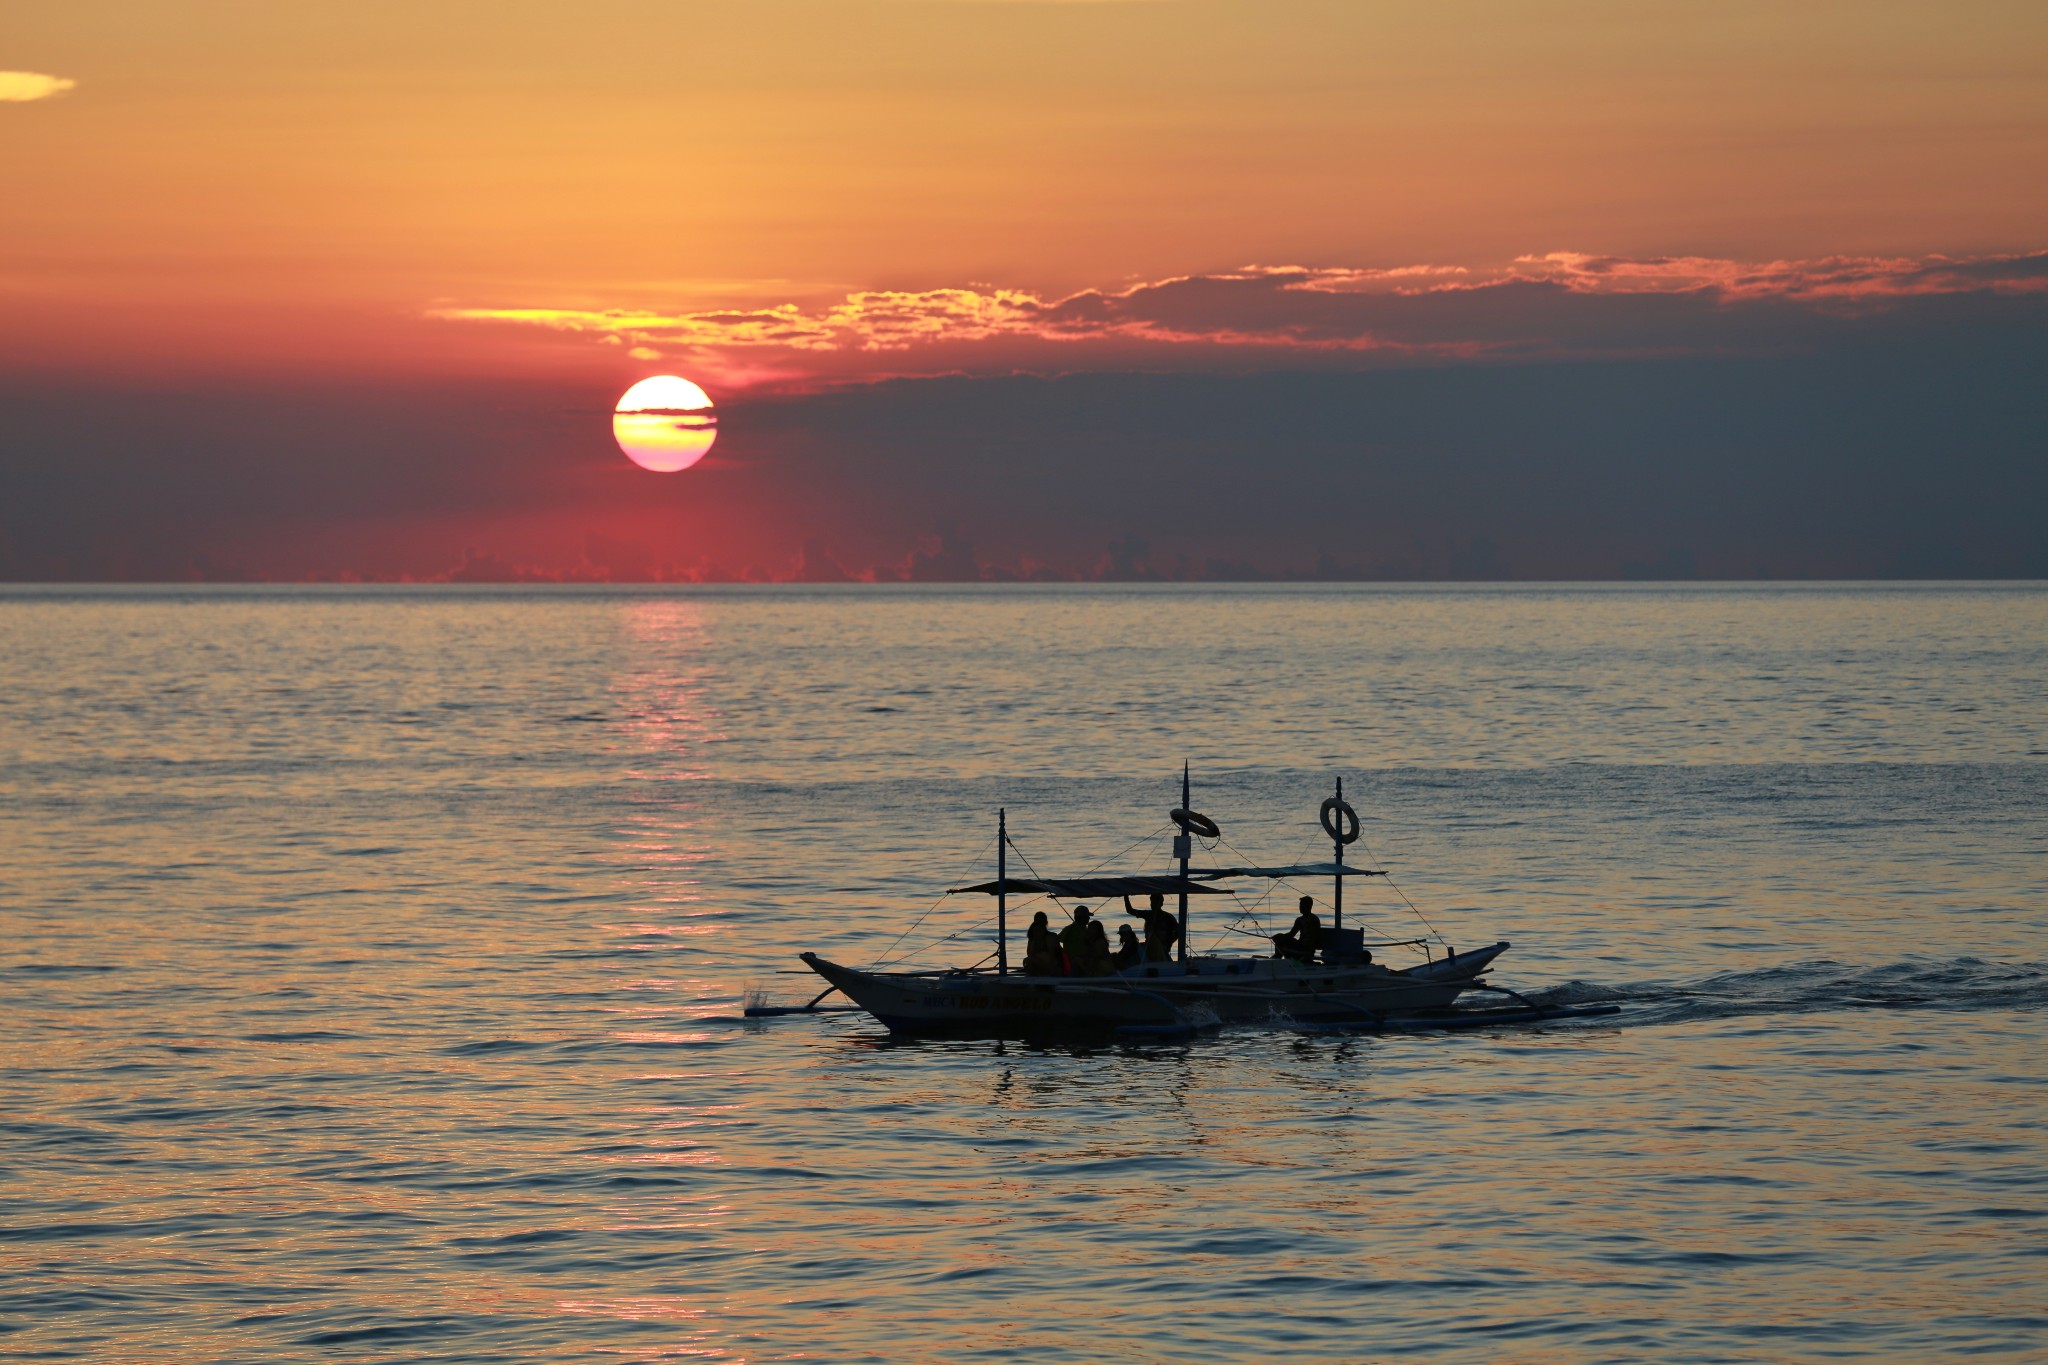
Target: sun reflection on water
380 983
666 724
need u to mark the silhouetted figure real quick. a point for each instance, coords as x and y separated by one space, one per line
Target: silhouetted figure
1129 952
1074 942
1042 949
1301 942
1162 928
1100 962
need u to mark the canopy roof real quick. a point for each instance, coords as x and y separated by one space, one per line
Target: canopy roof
1294 870
1071 888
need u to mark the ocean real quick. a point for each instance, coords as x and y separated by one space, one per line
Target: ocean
373 963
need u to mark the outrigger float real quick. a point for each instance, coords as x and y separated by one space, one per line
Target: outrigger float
1344 991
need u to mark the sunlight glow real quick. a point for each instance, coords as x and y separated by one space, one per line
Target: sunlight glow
664 393
664 423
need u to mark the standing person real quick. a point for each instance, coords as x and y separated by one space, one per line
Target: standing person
1162 928
1301 942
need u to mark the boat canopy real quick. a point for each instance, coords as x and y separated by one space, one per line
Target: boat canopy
1293 870
1070 888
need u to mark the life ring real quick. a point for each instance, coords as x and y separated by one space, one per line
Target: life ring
1194 822
1340 822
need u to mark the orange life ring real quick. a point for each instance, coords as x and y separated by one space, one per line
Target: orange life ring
1340 822
1194 822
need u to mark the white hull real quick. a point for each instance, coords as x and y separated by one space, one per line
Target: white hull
1155 995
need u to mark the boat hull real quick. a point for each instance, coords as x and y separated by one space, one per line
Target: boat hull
1154 996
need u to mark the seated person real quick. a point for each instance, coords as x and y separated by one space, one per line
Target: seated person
1129 952
1301 942
1162 928
1042 949
1100 962
1087 954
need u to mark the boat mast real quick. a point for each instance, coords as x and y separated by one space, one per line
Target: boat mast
1002 891
1183 844
1337 900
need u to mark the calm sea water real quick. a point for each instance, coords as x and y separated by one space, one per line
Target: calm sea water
372 963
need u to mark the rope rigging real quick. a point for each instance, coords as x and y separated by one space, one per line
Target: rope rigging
885 959
1022 857
1388 878
1251 912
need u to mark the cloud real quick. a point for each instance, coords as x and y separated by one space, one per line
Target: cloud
1843 278
19 87
1887 439
1558 305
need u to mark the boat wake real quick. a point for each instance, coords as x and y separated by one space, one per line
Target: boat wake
1822 986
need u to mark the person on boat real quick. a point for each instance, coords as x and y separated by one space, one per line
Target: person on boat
1162 928
1129 952
1042 949
1087 954
1101 961
1301 942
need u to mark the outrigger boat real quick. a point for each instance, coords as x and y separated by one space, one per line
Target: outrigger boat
1343 989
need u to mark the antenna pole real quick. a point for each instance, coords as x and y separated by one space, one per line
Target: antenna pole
1183 845
1337 912
1002 891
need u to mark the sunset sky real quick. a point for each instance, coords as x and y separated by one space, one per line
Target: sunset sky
998 289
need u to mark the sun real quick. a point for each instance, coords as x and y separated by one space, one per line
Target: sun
664 423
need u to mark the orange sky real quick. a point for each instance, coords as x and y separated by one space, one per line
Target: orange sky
234 184
1467 288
